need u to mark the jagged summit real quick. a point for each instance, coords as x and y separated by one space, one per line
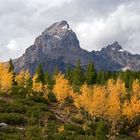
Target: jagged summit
58 35
114 47
59 25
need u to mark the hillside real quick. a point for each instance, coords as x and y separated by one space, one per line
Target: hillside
77 105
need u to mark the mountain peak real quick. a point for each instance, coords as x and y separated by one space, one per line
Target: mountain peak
61 26
58 35
114 47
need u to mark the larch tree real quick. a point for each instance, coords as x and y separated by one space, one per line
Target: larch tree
36 85
20 78
6 78
114 110
97 107
82 100
132 108
27 79
136 87
62 88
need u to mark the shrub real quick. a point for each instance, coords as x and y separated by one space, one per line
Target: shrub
77 120
12 118
52 97
39 99
100 133
18 91
76 128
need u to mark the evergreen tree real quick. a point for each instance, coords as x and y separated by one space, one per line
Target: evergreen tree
90 74
48 80
11 66
68 74
101 77
56 71
78 76
40 73
11 70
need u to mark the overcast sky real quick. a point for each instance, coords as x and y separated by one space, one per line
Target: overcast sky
97 23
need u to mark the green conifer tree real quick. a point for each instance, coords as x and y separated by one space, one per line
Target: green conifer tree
90 74
40 73
48 80
11 69
78 76
69 72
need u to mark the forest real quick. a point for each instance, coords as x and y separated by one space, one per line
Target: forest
80 104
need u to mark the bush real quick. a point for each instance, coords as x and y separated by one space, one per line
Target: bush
52 97
100 133
33 132
12 118
39 99
76 128
77 120
18 91
12 108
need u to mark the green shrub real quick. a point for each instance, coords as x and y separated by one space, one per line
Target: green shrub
52 97
12 118
100 133
39 99
76 128
11 108
77 120
18 91
34 133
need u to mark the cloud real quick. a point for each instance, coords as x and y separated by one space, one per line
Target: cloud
122 25
12 45
96 22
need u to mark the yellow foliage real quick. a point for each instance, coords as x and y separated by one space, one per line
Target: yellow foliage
136 87
117 87
26 78
92 99
132 109
6 78
61 129
37 86
82 100
20 78
62 88
97 105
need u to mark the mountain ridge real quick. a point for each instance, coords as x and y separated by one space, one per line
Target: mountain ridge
58 46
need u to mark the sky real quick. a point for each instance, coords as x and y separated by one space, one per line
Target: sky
97 23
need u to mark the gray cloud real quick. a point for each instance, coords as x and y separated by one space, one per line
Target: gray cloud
96 22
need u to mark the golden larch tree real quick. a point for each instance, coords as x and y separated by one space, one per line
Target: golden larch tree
6 78
98 101
20 78
132 108
37 86
62 88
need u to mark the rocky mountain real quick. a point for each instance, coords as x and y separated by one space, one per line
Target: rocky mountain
58 46
114 58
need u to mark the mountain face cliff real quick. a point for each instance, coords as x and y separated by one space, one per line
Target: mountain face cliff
58 46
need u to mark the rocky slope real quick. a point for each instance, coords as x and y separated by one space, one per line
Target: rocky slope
58 46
